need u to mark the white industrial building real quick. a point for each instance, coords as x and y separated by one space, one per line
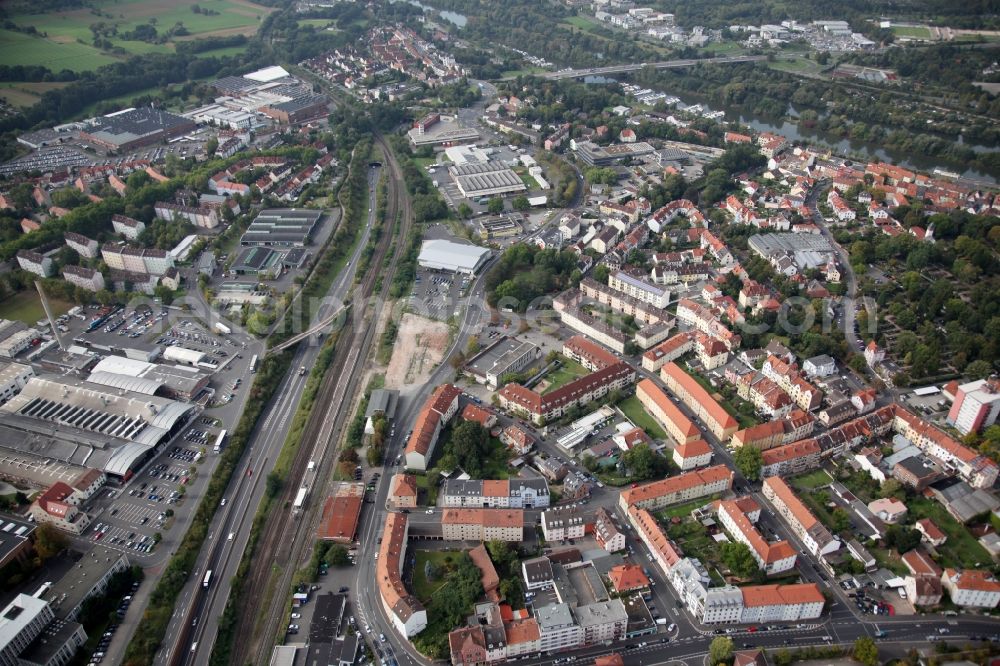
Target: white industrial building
446 255
483 179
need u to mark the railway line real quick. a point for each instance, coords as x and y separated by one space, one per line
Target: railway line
288 541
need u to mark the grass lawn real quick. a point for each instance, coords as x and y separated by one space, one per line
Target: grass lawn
425 484
316 23
582 22
795 65
497 465
723 48
918 32
890 560
961 550
523 72
424 162
564 374
683 510
56 52
811 481
25 306
423 588
638 415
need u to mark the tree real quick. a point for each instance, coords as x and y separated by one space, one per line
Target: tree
739 559
520 203
49 541
979 369
865 651
748 460
470 445
495 205
841 520
464 210
720 650
892 488
601 273
642 462
903 539
338 556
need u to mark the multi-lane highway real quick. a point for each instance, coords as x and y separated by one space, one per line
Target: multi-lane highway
663 64
194 625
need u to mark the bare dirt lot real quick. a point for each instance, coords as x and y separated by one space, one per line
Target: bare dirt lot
420 347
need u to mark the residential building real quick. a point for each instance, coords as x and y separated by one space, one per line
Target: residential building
33 262
30 633
407 614
819 366
592 327
207 218
602 621
781 603
628 578
467 646
788 377
972 587
888 509
85 278
523 637
712 352
483 525
537 573
437 411
565 522
557 629
57 507
681 488
490 579
656 402
692 454
791 459
932 534
606 531
923 589
797 425
403 491
638 288
518 439
699 401
979 470
85 247
816 538
976 406
737 517
589 354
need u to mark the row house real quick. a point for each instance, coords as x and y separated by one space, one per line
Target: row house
699 401
589 354
571 521
790 459
666 274
658 405
797 425
606 531
816 538
841 209
668 213
668 351
502 494
681 488
407 614
707 320
974 467
738 518
482 525
717 248
542 408
789 378
439 408
627 305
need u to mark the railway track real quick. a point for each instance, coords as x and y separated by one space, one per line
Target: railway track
285 540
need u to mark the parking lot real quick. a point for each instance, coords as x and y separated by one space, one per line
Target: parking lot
436 294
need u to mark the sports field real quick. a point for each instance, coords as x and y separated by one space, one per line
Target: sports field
67 40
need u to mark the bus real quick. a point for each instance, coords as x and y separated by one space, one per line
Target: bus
208 578
253 364
219 440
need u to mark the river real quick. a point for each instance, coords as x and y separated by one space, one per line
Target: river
459 20
840 146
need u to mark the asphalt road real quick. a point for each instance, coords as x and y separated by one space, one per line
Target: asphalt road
200 608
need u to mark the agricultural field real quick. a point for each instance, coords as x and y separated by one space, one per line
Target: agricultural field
55 52
67 40
26 93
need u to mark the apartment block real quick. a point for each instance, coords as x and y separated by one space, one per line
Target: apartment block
656 402
737 517
681 488
816 538
483 525
791 459
699 401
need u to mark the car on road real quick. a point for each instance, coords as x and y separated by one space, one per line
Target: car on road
296 616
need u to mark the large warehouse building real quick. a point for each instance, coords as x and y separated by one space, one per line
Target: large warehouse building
90 425
132 128
483 179
443 255
282 227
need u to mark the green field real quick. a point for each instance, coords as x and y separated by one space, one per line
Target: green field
564 374
961 550
638 415
524 72
56 53
919 32
61 48
26 93
319 24
25 306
